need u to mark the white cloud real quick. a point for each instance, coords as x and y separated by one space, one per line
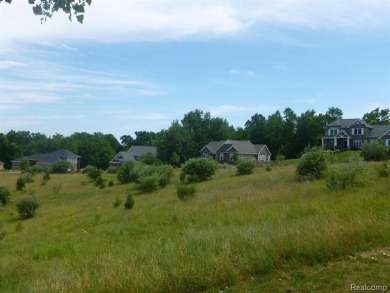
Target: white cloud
9 63
228 109
121 20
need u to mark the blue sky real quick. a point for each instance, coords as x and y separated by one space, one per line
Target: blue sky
139 65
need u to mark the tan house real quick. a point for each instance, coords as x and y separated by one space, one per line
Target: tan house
1 165
226 151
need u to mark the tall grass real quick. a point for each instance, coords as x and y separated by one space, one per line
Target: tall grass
236 227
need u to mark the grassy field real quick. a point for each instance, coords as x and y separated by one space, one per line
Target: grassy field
264 232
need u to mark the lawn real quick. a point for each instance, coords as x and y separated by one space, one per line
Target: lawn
239 234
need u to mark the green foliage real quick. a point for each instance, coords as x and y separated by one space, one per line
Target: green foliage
46 177
2 231
28 177
100 182
24 165
375 151
117 202
110 183
112 170
384 169
378 116
38 169
93 173
148 183
280 158
197 170
61 167
313 164
27 207
126 172
175 160
4 194
268 168
20 183
346 175
129 203
185 191
150 159
245 166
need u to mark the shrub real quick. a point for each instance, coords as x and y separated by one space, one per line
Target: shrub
185 192
2 231
375 151
165 174
117 203
28 177
46 177
280 158
26 207
129 203
61 167
245 166
384 170
346 175
111 183
150 159
126 172
93 173
312 164
148 183
112 170
268 168
20 183
38 169
100 182
197 170
24 165
4 194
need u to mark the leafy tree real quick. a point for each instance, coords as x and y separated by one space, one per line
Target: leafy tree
150 159
378 117
46 8
127 141
289 129
145 138
256 128
333 114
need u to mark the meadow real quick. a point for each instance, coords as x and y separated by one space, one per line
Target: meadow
239 234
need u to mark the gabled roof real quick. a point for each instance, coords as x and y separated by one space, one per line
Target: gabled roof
123 157
212 146
346 123
241 146
49 157
138 151
378 131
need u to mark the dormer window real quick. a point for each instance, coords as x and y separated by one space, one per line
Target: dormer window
333 131
357 131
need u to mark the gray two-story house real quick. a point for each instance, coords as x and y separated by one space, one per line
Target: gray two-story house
353 134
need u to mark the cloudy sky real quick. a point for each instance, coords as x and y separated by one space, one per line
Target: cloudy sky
140 64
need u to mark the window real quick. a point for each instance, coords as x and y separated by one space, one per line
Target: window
221 157
333 131
357 131
231 156
357 143
387 142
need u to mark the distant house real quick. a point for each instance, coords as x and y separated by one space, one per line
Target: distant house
225 151
47 159
134 153
353 134
1 165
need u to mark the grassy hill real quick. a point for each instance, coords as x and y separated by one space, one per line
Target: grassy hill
238 234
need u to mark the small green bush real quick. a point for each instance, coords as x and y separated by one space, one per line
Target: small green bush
346 175
185 192
2 231
28 177
384 170
375 151
20 183
245 166
38 169
93 173
112 170
61 167
126 173
268 168
117 203
197 170
129 203
312 165
27 207
4 194
100 182
150 159
148 183
110 183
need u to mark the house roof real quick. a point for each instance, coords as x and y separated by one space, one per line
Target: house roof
345 123
241 146
123 157
378 130
213 146
138 151
48 158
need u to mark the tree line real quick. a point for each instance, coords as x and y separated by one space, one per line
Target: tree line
285 133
